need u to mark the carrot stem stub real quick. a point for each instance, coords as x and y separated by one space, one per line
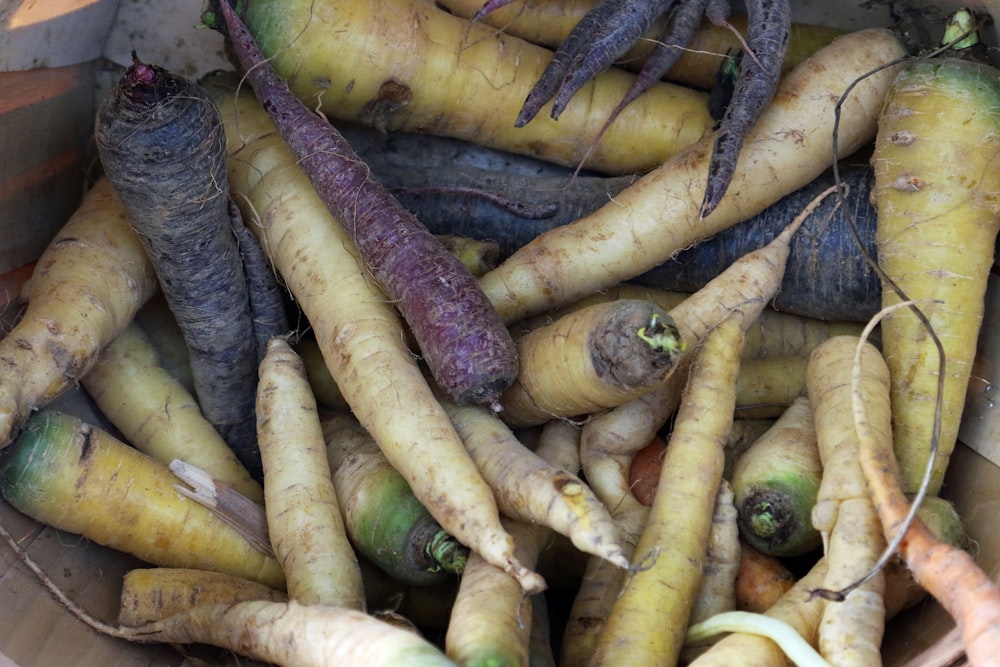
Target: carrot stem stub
463 341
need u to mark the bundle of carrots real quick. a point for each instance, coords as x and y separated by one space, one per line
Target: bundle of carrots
477 444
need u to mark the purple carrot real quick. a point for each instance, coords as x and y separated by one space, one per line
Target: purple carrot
632 18
562 61
769 25
603 34
466 346
684 21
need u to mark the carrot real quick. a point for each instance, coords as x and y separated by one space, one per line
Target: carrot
761 580
717 590
644 470
601 583
505 630
753 279
658 215
547 22
758 276
152 594
160 326
71 475
591 360
851 630
294 634
385 521
795 607
359 333
934 184
647 621
685 19
157 415
480 202
267 297
467 348
766 387
603 35
608 440
812 285
483 79
324 387
491 619
769 23
303 511
73 313
529 489
946 571
943 521
160 142
774 334
776 481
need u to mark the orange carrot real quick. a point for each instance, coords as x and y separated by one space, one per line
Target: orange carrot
948 573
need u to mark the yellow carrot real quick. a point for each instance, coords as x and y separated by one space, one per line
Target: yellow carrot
949 573
157 415
360 335
648 621
530 489
85 289
851 630
303 515
717 591
295 634
659 214
432 72
152 594
491 619
936 184
71 475
589 360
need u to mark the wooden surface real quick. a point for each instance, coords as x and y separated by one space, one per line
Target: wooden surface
46 118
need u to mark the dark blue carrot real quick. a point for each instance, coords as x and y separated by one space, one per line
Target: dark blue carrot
267 297
161 144
603 35
562 61
632 18
466 346
684 21
769 25
826 276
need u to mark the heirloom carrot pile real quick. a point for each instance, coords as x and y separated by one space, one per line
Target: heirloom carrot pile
533 454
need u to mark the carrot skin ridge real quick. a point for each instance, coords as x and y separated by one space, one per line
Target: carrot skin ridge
462 339
161 143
